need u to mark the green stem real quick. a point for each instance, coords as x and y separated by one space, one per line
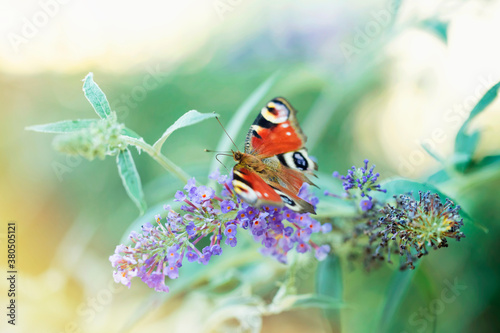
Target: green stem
158 157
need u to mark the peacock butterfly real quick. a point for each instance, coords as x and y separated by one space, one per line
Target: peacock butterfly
275 162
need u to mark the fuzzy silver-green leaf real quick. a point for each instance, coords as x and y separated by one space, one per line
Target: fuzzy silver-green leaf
187 119
65 126
130 178
96 97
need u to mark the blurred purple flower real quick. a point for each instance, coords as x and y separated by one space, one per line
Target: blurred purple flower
159 250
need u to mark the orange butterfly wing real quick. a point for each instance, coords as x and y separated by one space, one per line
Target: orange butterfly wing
275 130
257 191
277 142
252 188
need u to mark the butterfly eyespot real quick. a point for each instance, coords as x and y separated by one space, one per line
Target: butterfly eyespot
300 161
275 113
243 189
288 201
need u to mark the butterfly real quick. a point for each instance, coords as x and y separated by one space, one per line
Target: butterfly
274 164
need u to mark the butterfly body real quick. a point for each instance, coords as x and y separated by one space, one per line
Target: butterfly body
274 165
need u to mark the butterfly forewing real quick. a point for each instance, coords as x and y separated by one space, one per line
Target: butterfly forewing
275 130
271 171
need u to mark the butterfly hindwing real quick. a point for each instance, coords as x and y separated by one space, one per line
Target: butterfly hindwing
298 160
252 188
291 178
293 202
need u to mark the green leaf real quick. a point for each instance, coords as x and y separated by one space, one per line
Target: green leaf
424 284
440 176
130 178
96 97
403 186
465 144
487 161
396 290
234 126
439 28
432 153
128 132
324 108
314 301
187 119
65 126
329 284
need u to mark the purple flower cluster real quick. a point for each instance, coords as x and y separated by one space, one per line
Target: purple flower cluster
407 229
361 179
416 224
159 250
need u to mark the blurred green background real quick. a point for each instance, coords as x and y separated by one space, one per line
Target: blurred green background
371 79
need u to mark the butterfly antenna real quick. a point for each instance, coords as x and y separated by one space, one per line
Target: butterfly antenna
217 158
227 133
218 151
